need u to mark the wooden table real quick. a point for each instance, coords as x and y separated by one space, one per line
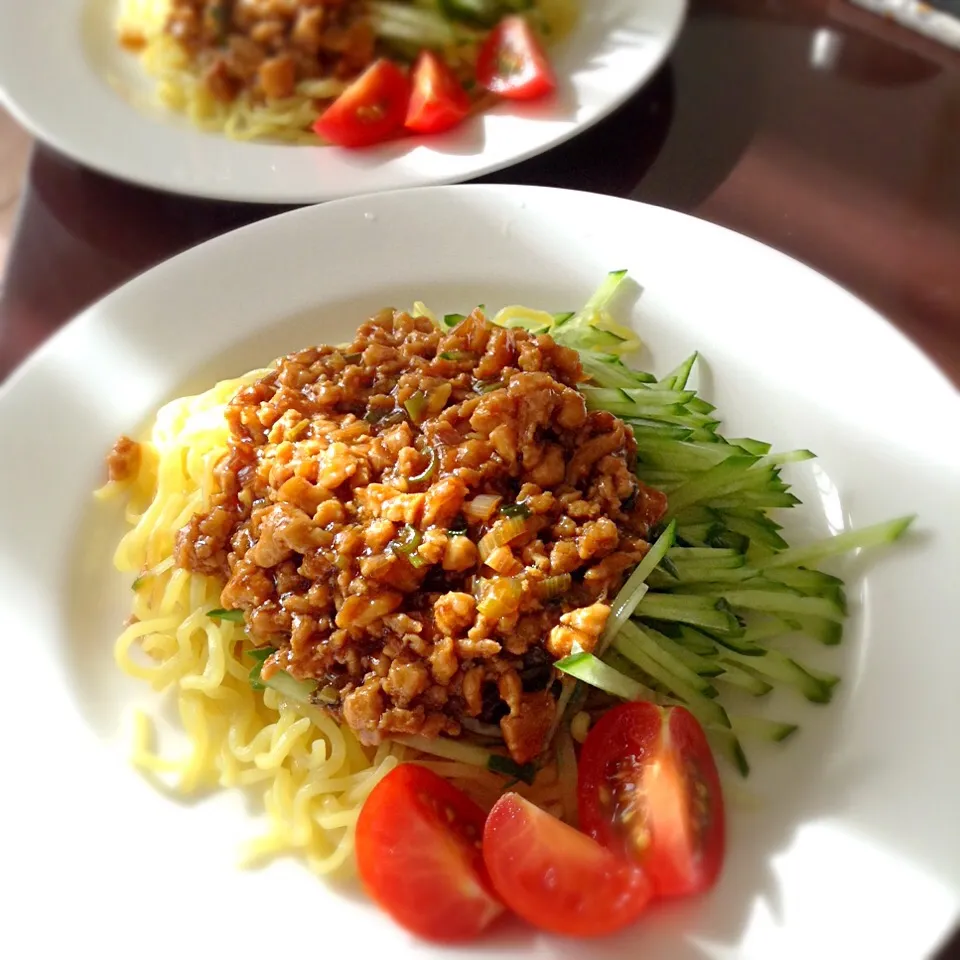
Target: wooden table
809 124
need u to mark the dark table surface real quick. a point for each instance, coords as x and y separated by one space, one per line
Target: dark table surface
811 125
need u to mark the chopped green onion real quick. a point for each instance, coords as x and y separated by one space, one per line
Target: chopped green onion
487 386
502 533
429 470
457 356
554 587
352 357
416 405
234 616
515 510
406 543
452 319
138 583
482 507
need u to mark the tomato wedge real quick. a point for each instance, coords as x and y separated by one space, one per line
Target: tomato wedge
649 790
370 110
512 63
557 878
418 856
438 102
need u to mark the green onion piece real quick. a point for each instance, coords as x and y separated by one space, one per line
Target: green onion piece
137 584
234 616
515 510
352 357
407 542
452 319
429 470
554 587
378 414
487 386
502 533
456 356
482 507
416 405
500 596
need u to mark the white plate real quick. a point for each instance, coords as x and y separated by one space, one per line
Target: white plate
64 77
843 843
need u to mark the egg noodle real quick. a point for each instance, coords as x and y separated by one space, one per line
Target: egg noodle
313 773
180 87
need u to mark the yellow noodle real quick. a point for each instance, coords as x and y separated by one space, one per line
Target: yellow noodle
312 775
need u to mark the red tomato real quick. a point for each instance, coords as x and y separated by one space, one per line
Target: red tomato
418 855
557 878
512 63
370 110
438 102
649 790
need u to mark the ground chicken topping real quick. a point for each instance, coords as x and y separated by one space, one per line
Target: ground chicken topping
422 522
266 47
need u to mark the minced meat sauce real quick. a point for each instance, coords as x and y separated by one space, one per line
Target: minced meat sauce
422 522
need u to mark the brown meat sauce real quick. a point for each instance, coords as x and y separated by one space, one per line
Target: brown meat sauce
266 47
348 528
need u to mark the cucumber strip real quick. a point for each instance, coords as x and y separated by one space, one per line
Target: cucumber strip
400 21
689 574
762 729
811 582
701 554
600 398
632 637
729 475
698 514
707 711
599 300
645 430
782 669
694 640
610 373
751 683
733 562
757 516
768 601
687 456
590 670
290 687
697 534
720 536
790 456
699 405
859 539
765 499
677 378
728 746
633 591
709 588
696 611
829 680
701 666
469 753
755 532
828 632
755 447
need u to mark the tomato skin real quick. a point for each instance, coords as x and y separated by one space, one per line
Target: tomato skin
437 102
418 856
555 877
372 109
656 764
512 63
